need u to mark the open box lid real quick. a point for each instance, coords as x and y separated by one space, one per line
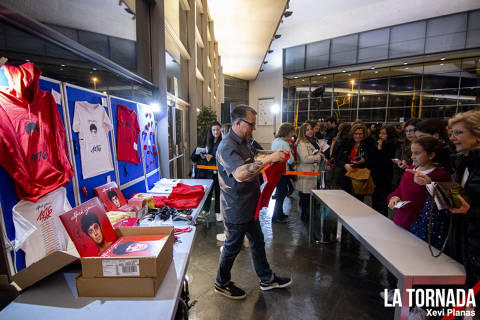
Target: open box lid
42 268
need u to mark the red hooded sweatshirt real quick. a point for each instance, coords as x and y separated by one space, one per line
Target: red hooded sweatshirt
32 135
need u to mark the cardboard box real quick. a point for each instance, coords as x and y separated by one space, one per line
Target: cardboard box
99 267
151 270
35 272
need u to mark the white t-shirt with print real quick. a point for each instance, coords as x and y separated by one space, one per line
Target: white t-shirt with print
38 229
93 124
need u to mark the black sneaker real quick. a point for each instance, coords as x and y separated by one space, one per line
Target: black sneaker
230 291
277 282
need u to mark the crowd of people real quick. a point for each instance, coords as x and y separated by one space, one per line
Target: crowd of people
402 161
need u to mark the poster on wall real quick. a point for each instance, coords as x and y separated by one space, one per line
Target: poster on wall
265 115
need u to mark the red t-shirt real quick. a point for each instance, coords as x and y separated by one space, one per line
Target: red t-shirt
127 135
272 174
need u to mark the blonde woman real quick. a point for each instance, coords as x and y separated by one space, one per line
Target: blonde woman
308 159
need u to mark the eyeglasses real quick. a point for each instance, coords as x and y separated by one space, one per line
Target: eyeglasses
251 124
410 130
456 133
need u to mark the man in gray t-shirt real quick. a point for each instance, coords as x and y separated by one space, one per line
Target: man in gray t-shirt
240 191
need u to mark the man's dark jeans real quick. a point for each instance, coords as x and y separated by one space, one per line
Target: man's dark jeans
233 244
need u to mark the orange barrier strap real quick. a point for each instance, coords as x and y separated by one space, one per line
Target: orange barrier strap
290 173
207 167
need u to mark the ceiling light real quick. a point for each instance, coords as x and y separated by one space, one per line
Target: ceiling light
62 65
406 68
287 14
324 77
443 59
94 69
442 64
405 63
318 74
373 68
296 77
376 71
270 51
344 70
349 74
277 36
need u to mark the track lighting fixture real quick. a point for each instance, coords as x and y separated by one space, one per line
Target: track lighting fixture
287 14
270 51
277 36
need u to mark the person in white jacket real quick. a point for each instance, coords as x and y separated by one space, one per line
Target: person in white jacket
308 159
284 135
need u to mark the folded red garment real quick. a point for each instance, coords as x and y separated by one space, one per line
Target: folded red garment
182 197
186 191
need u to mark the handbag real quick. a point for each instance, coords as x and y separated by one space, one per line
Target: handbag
445 195
362 182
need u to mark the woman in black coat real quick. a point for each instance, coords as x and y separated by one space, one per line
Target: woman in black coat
354 152
382 168
465 240
214 138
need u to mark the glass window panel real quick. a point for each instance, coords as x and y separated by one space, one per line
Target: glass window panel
95 41
69 32
406 83
447 25
463 108
445 42
319 115
123 52
345 115
409 31
343 58
373 101
17 40
438 112
395 114
403 99
407 48
405 70
373 53
441 81
374 38
302 117
474 20
473 39
439 97
317 54
372 115
324 103
294 59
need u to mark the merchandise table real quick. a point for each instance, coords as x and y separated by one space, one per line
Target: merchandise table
207 184
55 297
401 252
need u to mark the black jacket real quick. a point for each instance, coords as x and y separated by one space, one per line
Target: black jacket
341 153
381 165
467 227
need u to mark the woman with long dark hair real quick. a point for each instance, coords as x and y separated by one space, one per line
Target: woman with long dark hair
382 168
214 138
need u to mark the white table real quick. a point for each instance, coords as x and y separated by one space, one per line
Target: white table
207 184
56 296
401 252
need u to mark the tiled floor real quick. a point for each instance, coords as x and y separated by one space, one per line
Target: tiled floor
333 281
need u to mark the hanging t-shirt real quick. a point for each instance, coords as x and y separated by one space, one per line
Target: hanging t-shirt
92 124
38 230
272 174
127 135
32 135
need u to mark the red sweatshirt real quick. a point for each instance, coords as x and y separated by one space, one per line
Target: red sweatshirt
32 136
408 190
